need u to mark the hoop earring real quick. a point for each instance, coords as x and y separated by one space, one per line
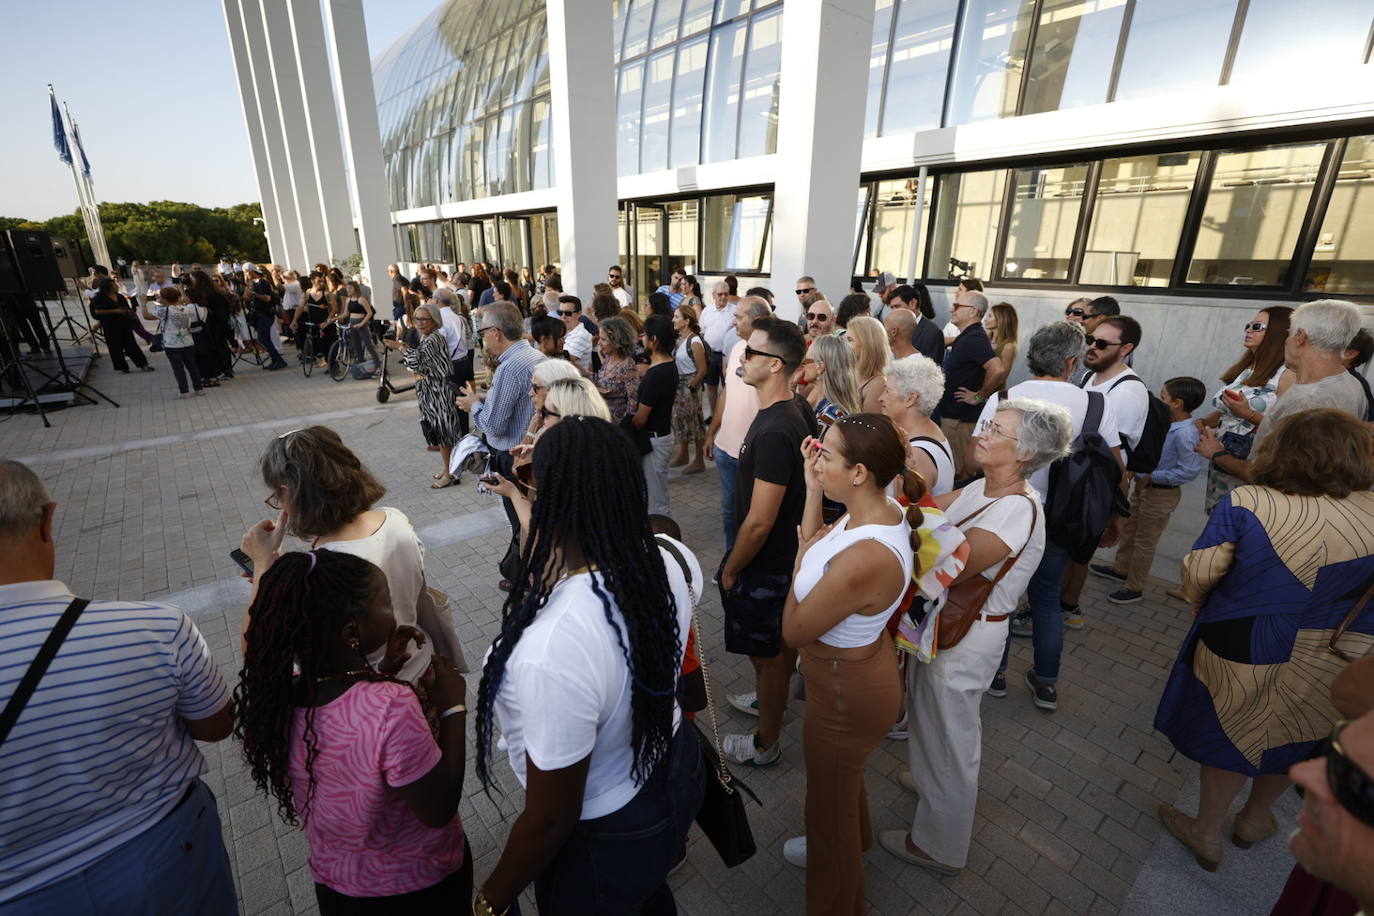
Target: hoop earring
354 644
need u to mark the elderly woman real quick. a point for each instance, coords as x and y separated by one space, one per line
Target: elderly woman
1002 518
871 356
432 367
913 389
545 374
617 379
1280 582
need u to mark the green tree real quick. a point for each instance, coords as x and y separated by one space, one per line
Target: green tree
164 231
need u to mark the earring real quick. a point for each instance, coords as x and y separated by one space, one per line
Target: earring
354 644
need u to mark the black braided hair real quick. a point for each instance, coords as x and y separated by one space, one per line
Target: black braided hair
295 619
591 494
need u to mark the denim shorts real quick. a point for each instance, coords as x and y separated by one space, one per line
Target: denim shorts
753 612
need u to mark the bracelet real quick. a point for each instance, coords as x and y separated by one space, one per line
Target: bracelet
455 710
978 398
482 907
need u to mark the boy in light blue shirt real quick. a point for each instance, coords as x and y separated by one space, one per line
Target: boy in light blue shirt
1157 493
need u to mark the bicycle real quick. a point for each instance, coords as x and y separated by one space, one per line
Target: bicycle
306 351
341 358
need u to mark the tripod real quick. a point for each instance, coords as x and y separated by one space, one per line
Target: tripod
65 376
76 330
12 368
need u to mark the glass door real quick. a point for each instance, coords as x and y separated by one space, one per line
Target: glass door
648 231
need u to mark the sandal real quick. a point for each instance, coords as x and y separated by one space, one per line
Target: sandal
442 482
1244 834
1208 855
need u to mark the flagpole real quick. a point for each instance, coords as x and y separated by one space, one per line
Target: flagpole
94 229
64 153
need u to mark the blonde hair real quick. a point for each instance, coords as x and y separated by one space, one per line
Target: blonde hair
839 383
576 397
873 356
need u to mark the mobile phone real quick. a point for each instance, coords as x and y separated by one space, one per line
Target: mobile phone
490 480
244 562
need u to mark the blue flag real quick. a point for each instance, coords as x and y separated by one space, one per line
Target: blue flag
85 163
59 133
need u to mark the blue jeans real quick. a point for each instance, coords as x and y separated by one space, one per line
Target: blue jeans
262 326
618 864
1047 619
729 471
179 865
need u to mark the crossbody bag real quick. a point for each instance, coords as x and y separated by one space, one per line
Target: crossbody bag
29 682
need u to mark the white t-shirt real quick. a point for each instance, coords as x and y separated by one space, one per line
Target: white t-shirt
291 295
1009 519
1071 397
715 322
578 343
1130 402
624 295
566 693
686 361
453 332
395 548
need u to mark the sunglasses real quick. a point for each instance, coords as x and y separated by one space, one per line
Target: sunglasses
1077 313
803 292
566 314
1350 785
546 412
816 316
1256 326
750 352
1099 343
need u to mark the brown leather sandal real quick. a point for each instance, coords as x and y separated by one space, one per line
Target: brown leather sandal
1208 855
1245 834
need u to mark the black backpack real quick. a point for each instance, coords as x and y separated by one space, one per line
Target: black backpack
1144 458
1084 488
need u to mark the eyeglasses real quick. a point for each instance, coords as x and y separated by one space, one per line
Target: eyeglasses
274 502
750 352
1256 326
803 292
535 388
546 412
1077 313
566 314
613 276
1099 343
1350 785
994 430
816 316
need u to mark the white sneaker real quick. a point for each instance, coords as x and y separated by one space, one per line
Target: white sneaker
747 703
794 851
899 731
742 750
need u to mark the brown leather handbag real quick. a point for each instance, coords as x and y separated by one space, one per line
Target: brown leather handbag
965 601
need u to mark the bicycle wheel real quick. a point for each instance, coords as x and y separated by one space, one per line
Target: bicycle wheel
307 354
340 360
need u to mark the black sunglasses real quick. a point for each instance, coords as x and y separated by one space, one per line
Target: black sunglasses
1256 326
750 352
803 292
816 316
1079 313
565 314
1099 343
1351 786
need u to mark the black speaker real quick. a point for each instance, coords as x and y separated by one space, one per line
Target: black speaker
36 260
70 262
10 281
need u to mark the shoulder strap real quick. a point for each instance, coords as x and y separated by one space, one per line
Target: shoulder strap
1083 382
1030 532
1127 378
29 682
1092 422
937 443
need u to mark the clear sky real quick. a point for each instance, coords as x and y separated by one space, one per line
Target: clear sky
151 84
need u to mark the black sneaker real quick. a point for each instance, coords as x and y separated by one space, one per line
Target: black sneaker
1021 625
998 687
1107 571
1124 596
1044 695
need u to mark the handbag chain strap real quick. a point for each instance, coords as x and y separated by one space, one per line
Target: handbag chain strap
723 773
1336 634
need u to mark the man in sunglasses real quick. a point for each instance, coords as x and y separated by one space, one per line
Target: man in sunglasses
820 320
970 363
615 276
806 295
577 340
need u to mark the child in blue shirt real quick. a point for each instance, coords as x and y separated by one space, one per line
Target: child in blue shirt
1157 493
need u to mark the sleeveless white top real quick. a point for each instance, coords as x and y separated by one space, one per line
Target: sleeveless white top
944 467
856 629
686 362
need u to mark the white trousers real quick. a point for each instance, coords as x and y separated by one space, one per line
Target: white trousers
946 744
656 473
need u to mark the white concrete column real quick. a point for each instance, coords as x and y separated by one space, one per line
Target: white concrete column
322 125
243 70
820 143
270 128
362 137
583 111
300 160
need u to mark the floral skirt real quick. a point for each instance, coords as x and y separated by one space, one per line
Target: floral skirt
689 430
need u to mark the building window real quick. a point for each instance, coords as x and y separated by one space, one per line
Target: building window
1256 206
736 227
1071 62
1137 219
682 235
658 88
989 59
629 95
696 16
544 240
637 28
541 158
1280 37
687 94
922 39
758 131
1173 45
1343 259
877 63
1043 223
968 210
666 16
722 93
469 238
894 225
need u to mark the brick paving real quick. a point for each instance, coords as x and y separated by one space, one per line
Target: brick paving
1065 819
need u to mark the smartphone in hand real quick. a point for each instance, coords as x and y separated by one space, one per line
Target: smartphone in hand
244 562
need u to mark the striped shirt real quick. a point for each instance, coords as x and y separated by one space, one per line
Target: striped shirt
100 753
505 414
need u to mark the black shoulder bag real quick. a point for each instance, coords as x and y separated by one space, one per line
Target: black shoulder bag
29 682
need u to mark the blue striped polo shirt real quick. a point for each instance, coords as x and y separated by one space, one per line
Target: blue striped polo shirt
100 753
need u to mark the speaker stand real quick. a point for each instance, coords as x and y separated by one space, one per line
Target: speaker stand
12 365
64 374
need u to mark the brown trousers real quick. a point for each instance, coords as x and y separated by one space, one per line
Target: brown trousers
1151 509
851 705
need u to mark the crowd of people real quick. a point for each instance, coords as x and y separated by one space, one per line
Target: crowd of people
894 514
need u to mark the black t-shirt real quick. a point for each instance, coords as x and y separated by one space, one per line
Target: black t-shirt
658 388
772 452
929 340
262 287
964 369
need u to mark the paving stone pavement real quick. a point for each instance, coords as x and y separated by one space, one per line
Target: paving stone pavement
1066 814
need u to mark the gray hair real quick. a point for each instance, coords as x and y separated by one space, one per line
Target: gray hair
918 375
433 312
505 317
446 296
22 499
620 334
551 370
1052 346
975 299
1330 324
1046 432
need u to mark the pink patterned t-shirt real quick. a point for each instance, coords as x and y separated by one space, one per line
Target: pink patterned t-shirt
364 839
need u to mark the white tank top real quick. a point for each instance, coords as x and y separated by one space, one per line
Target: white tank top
856 629
686 361
944 467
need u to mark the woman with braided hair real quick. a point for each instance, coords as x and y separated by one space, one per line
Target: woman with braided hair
344 747
582 680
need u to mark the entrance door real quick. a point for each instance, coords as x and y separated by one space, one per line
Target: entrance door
648 230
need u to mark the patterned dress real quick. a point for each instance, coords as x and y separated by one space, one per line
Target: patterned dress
1276 576
1260 398
619 383
438 412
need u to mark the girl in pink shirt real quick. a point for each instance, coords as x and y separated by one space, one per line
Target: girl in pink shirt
345 748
